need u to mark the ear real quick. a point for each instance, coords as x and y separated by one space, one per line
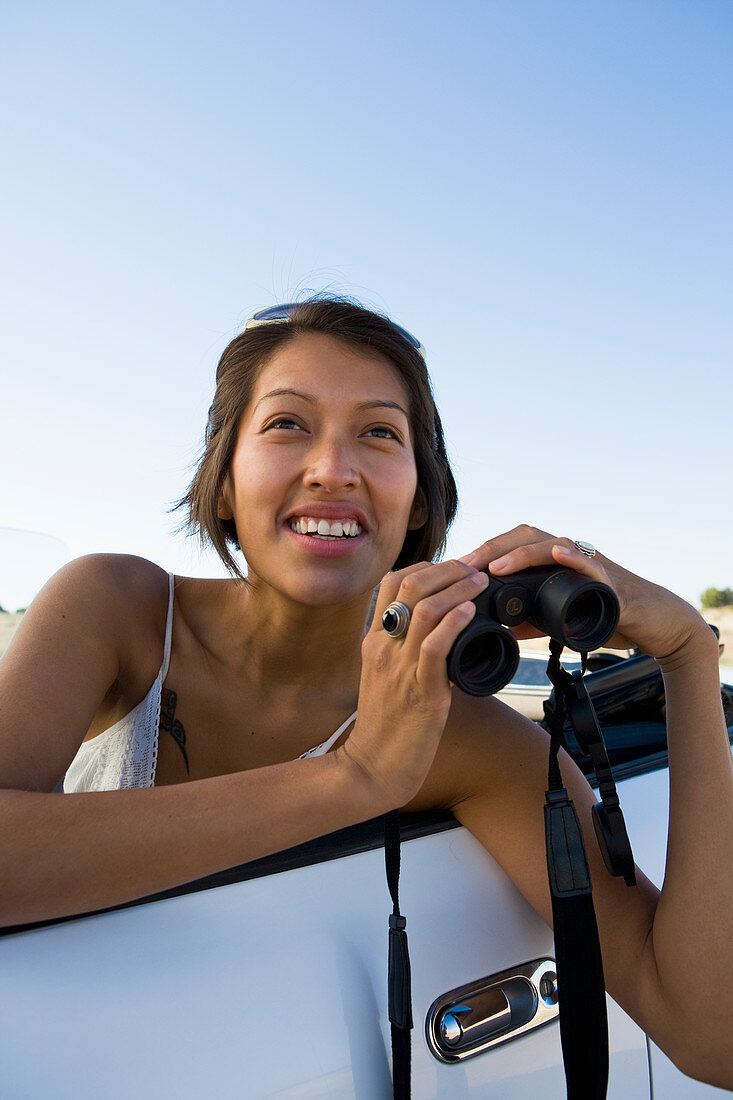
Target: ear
419 514
223 506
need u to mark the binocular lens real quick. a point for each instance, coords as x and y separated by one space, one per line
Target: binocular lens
587 618
484 661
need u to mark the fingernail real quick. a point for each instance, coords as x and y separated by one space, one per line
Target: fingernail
468 558
479 579
563 551
498 565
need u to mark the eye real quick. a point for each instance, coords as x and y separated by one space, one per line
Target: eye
383 431
286 423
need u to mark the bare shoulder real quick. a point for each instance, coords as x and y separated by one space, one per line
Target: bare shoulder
99 594
487 749
70 649
103 575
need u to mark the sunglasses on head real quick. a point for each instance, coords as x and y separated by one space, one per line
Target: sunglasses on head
284 312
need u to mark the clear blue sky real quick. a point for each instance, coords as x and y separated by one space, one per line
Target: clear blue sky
541 191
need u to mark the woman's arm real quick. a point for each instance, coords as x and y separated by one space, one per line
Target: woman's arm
667 958
64 854
78 852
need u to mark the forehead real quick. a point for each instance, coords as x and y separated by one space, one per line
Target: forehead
331 370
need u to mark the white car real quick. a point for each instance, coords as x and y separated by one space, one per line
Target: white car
269 980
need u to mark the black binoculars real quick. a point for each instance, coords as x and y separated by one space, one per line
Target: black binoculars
577 612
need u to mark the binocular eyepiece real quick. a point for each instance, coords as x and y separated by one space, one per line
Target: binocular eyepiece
580 613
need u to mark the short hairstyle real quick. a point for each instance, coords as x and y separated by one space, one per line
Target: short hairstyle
236 376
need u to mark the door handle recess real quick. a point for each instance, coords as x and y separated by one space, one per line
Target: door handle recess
483 1014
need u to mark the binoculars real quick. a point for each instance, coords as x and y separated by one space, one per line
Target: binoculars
579 613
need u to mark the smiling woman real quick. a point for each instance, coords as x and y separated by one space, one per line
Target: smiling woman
201 724
357 330
316 456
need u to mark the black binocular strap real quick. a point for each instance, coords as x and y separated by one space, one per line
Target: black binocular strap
580 982
398 972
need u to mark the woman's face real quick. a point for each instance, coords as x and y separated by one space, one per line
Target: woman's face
322 482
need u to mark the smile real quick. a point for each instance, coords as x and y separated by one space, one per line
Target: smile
325 529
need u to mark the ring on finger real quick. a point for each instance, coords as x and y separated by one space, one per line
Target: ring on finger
396 619
586 548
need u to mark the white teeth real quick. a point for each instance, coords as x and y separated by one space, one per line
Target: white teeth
323 528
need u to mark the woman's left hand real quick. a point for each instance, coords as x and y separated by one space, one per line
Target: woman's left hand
652 618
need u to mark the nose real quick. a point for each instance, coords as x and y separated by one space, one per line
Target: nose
331 465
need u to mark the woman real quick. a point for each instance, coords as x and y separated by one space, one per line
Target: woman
325 464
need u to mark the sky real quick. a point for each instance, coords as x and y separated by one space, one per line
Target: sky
540 191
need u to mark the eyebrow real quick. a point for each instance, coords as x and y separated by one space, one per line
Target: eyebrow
363 405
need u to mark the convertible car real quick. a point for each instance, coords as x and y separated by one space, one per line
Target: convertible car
269 980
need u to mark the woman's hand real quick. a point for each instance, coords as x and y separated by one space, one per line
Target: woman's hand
405 693
658 622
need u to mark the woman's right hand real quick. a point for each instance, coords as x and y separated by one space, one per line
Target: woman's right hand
405 693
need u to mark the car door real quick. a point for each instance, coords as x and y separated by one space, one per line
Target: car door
274 986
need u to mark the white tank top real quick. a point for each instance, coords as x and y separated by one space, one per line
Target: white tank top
126 754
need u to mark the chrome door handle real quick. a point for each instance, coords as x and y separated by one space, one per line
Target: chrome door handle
483 1014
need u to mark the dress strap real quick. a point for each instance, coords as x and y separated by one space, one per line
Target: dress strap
168 630
335 736
322 749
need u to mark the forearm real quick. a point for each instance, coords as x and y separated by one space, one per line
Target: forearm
691 935
65 854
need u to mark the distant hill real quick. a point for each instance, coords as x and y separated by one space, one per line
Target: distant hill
722 617
8 622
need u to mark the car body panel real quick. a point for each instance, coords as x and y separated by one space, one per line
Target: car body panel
275 987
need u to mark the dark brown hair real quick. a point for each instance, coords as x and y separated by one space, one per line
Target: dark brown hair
236 376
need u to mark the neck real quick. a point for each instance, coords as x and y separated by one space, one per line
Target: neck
290 645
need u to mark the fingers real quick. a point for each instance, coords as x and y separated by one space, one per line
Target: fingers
439 598
498 547
418 582
433 614
559 551
525 547
390 586
436 645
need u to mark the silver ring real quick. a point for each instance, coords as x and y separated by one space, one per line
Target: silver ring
586 548
396 619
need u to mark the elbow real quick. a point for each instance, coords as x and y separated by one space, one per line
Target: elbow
708 1059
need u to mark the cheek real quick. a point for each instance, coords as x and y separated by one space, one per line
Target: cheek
401 494
258 484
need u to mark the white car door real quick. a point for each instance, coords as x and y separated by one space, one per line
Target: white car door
275 987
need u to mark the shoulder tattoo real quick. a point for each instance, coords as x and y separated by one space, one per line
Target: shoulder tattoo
171 725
